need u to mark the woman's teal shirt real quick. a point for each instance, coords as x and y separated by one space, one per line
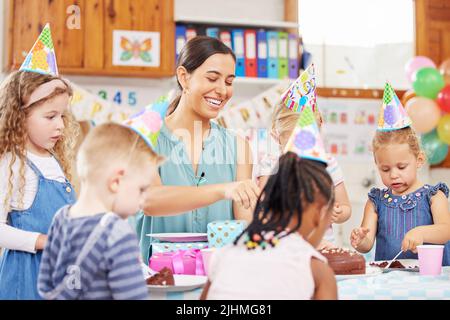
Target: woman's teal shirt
217 164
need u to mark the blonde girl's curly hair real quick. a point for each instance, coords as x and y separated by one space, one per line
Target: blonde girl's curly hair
403 136
15 90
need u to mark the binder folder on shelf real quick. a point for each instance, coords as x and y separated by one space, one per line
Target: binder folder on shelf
212 32
251 67
272 58
293 56
261 40
180 40
225 37
239 51
283 71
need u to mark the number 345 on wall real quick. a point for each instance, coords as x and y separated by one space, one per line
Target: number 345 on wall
132 99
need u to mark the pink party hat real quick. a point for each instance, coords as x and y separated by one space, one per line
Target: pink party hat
306 141
42 58
393 115
148 122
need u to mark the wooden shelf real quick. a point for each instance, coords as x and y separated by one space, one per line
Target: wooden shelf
238 23
260 81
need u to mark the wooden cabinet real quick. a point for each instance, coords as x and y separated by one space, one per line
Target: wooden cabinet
87 50
433 29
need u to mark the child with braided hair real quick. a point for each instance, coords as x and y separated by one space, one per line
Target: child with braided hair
275 257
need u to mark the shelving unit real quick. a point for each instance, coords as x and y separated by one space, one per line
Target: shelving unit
238 23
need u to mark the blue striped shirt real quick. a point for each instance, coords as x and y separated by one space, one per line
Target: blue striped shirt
111 270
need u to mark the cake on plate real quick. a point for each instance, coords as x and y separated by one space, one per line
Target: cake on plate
345 261
163 278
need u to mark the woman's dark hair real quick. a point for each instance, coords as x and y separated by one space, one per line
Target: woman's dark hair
297 184
194 54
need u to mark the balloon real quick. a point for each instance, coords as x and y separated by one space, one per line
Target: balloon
415 64
444 68
427 82
408 95
443 129
443 99
435 150
424 113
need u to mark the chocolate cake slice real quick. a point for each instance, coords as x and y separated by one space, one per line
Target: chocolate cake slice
344 261
163 278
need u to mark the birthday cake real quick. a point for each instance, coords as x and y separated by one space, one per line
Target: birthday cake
344 261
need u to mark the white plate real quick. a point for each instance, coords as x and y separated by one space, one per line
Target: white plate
179 237
410 265
370 272
182 283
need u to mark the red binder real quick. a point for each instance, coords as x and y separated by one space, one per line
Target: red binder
251 62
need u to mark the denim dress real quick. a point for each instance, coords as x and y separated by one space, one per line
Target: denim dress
18 269
399 214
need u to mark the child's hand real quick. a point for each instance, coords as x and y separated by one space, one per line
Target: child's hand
412 239
337 210
41 242
358 236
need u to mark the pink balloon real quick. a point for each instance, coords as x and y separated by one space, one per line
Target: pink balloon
424 113
416 63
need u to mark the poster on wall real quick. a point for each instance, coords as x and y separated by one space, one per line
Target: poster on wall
136 48
349 126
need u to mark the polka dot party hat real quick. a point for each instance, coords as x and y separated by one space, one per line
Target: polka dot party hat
302 92
42 58
393 115
306 141
148 122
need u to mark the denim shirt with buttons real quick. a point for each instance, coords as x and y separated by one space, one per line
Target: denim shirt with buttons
397 214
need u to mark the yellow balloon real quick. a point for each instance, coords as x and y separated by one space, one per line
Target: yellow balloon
443 129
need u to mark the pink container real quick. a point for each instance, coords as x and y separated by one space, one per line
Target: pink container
430 259
206 255
180 262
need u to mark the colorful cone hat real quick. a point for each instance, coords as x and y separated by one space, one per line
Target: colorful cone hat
393 115
302 92
306 141
42 58
148 122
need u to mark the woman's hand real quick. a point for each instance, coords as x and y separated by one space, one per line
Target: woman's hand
41 241
412 239
245 193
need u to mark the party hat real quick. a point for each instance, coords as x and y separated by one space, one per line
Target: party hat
306 141
302 92
148 122
393 115
42 58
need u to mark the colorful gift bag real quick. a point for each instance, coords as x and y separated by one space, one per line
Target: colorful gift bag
160 247
180 262
221 233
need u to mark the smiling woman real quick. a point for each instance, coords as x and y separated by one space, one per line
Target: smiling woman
207 175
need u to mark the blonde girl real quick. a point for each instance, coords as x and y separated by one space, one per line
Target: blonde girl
283 123
37 136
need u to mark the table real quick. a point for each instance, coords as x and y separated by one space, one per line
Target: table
394 285
397 285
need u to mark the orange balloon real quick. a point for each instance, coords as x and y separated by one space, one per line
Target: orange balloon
407 96
444 69
424 113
